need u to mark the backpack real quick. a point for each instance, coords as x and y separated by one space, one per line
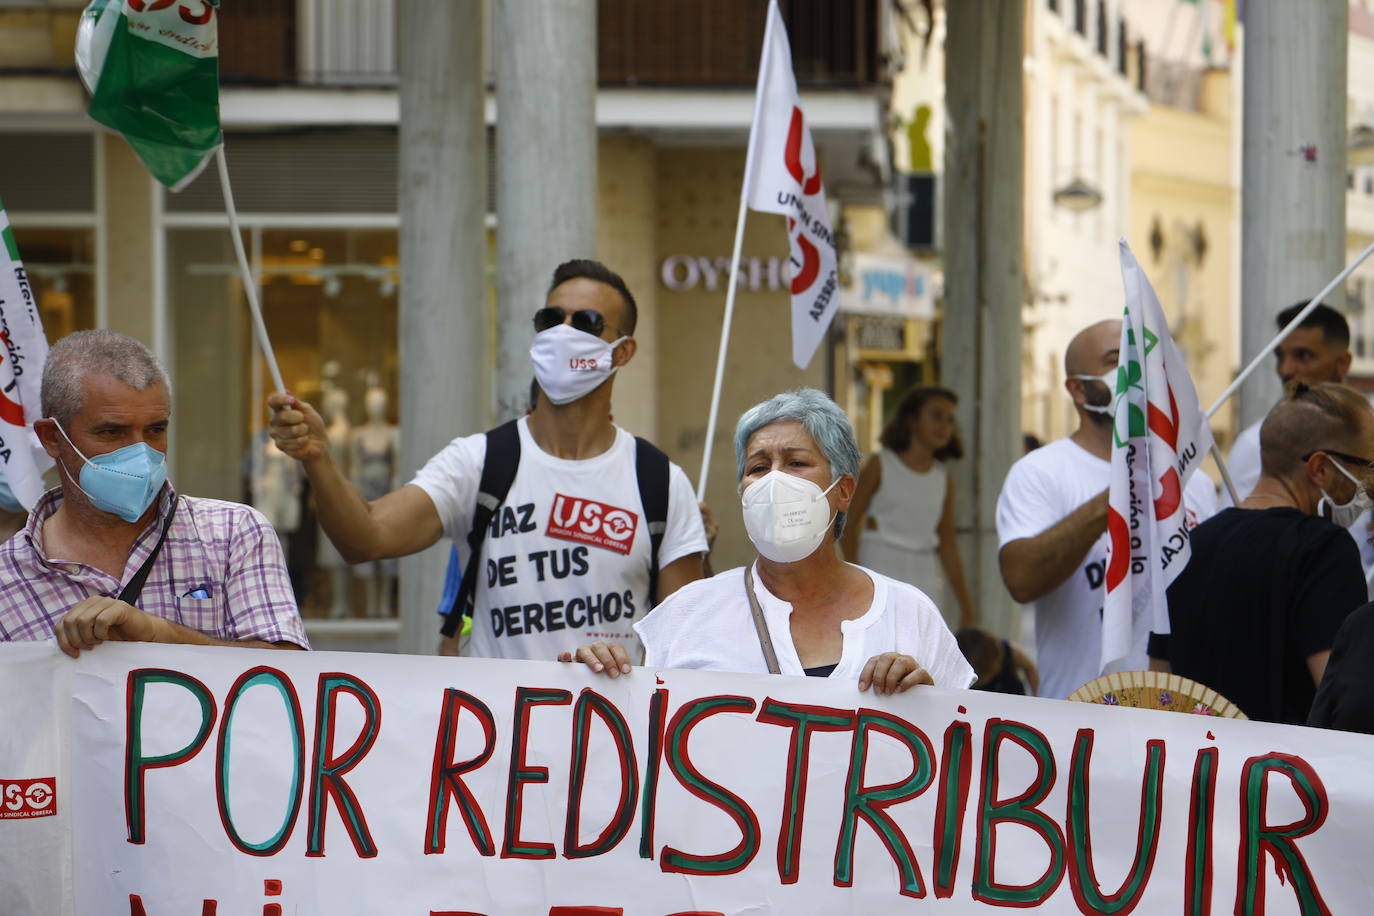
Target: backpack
498 473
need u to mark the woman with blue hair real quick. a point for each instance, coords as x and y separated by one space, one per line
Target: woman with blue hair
799 608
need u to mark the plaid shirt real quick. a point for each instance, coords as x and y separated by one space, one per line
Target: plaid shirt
221 571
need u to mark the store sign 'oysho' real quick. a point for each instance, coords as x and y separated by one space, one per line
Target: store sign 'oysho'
685 272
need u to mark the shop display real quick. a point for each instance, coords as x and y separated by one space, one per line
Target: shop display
373 461
275 484
327 557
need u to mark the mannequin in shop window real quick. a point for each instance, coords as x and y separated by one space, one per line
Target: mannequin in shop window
275 483
339 432
374 450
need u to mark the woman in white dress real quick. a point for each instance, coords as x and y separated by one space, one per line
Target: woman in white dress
902 518
798 609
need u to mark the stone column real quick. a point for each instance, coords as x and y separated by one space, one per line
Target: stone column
127 247
545 168
981 337
1293 172
442 251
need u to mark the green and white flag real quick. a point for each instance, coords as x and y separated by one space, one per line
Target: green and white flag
22 460
1159 435
152 68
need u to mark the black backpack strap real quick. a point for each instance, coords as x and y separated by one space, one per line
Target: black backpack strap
651 471
498 473
133 590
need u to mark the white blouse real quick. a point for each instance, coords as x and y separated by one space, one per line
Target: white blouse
707 625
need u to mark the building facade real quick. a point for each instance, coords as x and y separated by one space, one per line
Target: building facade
309 107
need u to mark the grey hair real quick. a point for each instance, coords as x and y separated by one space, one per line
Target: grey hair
820 416
101 352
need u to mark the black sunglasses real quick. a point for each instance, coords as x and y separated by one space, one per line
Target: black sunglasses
585 320
1364 463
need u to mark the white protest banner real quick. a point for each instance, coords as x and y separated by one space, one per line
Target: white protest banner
782 175
1159 435
21 374
232 781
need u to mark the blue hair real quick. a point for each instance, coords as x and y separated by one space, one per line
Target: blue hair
820 416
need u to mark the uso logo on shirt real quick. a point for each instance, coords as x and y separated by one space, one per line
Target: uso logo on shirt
590 522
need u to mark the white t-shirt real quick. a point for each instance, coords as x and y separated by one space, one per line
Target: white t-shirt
1041 489
567 558
1244 465
708 625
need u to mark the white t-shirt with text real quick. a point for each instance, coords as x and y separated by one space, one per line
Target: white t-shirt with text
708 625
1042 489
566 560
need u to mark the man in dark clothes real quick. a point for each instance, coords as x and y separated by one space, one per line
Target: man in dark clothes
1345 699
1255 612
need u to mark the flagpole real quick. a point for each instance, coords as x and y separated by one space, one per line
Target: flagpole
250 286
1225 475
724 346
1288 329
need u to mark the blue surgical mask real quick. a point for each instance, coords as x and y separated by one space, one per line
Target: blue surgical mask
123 482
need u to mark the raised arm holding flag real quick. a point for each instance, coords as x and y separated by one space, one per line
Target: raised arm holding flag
782 174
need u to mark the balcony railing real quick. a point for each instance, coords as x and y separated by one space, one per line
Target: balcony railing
659 43
717 42
257 42
639 42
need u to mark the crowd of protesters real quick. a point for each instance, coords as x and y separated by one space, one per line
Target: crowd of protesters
583 542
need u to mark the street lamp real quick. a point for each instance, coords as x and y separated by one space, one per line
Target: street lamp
1078 196
1360 148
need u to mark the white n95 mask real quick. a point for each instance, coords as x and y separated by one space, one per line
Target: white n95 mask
1107 378
1347 514
569 363
786 516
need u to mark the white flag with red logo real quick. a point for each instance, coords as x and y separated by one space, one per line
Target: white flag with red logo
22 460
1159 435
782 175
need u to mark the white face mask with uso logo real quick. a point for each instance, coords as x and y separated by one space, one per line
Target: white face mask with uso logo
569 363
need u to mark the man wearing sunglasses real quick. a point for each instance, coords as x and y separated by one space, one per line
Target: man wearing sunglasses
566 549
1255 612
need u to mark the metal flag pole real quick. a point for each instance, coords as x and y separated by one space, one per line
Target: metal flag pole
250 286
1288 329
724 346
764 60
1225 475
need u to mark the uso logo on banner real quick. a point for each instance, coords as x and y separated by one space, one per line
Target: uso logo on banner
591 522
28 797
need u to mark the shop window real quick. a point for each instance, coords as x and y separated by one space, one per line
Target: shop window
329 300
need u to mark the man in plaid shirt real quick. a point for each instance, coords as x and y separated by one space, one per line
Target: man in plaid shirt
211 572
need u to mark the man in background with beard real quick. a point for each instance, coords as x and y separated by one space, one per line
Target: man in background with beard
1052 521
